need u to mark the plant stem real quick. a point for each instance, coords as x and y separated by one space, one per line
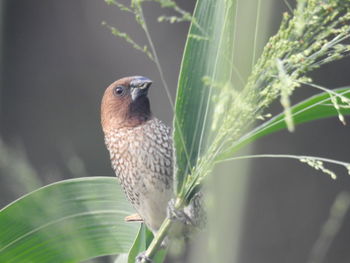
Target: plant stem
290 156
165 84
256 33
157 240
156 59
162 232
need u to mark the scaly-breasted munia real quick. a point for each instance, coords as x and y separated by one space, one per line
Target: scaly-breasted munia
140 148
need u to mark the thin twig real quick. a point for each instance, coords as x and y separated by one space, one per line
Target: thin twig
256 33
166 87
287 156
156 60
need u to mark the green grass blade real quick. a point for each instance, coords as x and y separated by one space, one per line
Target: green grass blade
314 108
208 53
139 245
68 221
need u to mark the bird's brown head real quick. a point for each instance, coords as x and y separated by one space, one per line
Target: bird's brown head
125 103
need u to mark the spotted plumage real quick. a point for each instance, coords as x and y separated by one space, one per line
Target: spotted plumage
140 148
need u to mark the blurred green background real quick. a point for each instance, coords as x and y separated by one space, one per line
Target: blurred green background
57 59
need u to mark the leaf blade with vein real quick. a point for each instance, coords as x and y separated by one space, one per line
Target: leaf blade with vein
68 221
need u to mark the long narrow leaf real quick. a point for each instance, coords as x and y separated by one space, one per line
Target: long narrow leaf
68 221
314 108
208 53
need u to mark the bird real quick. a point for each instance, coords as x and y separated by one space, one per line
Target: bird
140 148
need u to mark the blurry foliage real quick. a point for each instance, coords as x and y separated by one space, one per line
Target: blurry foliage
18 170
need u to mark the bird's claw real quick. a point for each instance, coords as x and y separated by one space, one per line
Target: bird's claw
142 258
177 214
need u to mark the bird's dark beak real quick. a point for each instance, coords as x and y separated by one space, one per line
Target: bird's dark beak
139 87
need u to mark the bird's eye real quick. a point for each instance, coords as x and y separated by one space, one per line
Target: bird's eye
119 91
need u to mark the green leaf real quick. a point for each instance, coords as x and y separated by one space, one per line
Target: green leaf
142 241
68 221
314 108
140 244
208 53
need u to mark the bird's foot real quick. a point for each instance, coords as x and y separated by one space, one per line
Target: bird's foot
142 258
177 214
133 218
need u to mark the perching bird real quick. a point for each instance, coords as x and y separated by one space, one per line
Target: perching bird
140 148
